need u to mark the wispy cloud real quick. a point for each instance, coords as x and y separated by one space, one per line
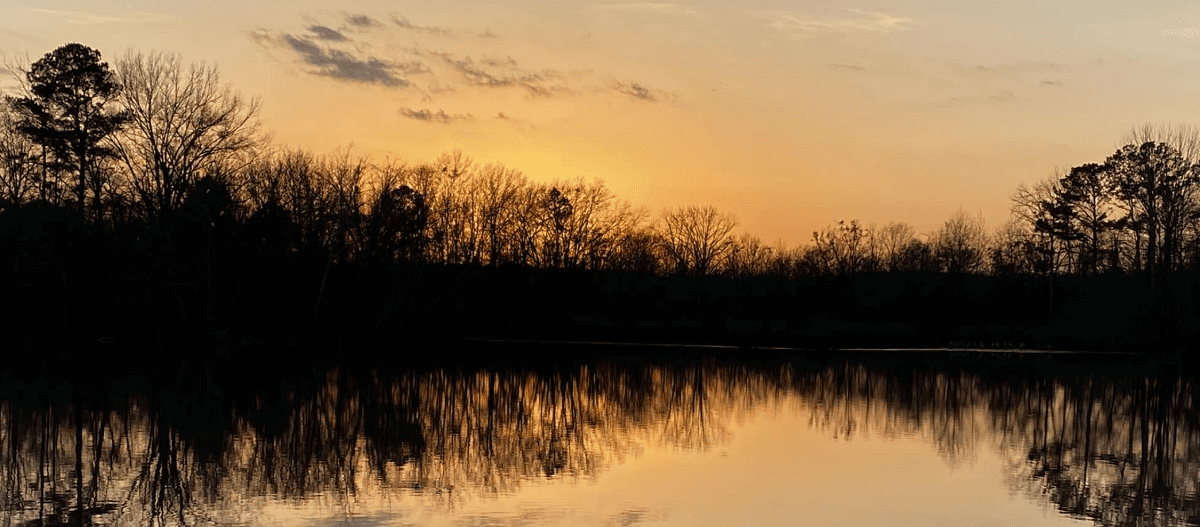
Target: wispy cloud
502 73
359 49
846 66
648 7
363 21
326 33
1052 83
1186 32
403 22
1003 96
864 22
1030 71
639 91
91 17
439 116
340 64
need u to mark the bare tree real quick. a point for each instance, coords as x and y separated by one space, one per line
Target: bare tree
961 243
841 249
19 165
586 219
890 241
695 238
1033 207
1013 250
749 256
497 188
183 124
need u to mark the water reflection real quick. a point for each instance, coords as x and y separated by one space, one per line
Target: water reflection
1119 446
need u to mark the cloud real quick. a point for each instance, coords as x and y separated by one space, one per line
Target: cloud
339 64
363 21
1187 32
1031 71
493 73
638 91
508 62
635 90
846 66
487 33
439 116
91 17
434 71
1003 96
865 22
647 7
1052 83
325 33
433 30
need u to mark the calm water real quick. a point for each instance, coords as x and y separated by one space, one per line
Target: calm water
882 438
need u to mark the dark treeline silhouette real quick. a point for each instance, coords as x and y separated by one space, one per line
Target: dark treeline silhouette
1118 444
142 202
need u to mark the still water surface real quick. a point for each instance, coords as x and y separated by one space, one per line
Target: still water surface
871 438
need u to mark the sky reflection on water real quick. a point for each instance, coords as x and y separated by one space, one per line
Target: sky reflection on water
919 440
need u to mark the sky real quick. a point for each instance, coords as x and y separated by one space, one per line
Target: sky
789 115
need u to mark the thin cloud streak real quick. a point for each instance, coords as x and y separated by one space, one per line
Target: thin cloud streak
867 22
1187 32
89 17
536 83
1004 96
641 92
403 22
439 116
648 7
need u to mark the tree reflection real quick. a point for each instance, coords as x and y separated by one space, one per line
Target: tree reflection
1120 447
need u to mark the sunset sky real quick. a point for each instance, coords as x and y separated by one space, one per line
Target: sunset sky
790 115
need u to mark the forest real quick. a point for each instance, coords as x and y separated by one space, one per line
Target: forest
143 204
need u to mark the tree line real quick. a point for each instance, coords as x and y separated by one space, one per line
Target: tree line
154 172
151 140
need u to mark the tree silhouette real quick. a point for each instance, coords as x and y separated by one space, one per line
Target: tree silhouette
1158 186
890 240
18 165
67 110
695 238
1085 191
961 244
396 225
183 124
558 211
842 249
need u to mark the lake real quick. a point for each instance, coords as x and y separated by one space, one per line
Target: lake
631 436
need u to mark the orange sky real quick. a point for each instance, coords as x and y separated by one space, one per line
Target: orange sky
790 115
